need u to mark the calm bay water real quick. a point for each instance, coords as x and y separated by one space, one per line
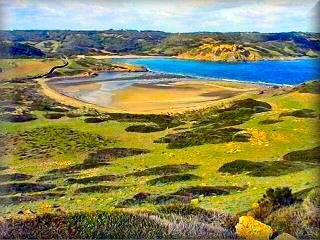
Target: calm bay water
272 71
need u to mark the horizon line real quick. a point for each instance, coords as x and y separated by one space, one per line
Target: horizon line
149 30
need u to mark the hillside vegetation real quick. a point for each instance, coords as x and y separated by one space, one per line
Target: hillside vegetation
222 52
202 45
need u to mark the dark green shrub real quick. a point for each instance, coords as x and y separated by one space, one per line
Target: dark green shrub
199 136
263 168
19 117
95 120
310 155
278 197
303 113
273 200
54 115
248 103
173 178
144 128
270 121
164 170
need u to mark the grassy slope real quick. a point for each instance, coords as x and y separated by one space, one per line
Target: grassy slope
26 67
281 138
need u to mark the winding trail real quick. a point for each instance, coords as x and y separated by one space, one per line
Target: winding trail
45 75
65 63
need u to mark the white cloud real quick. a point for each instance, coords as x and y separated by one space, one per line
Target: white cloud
166 15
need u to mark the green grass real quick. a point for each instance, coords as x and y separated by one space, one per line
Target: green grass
7 64
281 138
48 145
309 87
19 68
48 46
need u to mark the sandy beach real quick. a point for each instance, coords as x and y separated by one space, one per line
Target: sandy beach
177 97
149 98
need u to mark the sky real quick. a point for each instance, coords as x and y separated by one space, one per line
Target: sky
163 15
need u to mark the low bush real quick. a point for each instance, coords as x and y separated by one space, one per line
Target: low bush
172 179
270 121
144 128
273 200
303 113
95 120
162 120
14 177
263 168
54 115
248 103
199 136
18 117
164 170
13 188
224 118
308 156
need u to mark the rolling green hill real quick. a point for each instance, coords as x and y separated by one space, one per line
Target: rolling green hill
242 46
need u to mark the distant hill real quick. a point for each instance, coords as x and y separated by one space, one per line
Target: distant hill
242 46
16 49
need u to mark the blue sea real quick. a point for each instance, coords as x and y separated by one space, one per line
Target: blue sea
280 72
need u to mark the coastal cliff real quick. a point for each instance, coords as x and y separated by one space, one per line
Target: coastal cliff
221 52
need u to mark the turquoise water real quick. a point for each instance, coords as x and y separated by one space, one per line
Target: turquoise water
272 72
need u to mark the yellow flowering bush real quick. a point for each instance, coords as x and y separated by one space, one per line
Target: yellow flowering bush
255 205
195 202
44 207
249 228
258 137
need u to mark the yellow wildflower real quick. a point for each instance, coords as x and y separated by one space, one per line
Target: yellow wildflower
44 207
195 202
232 147
258 137
249 228
255 205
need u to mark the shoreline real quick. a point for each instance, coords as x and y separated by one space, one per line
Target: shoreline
168 75
136 56
52 93
128 56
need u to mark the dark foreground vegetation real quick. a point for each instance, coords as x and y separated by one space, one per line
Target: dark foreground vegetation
60 166
286 212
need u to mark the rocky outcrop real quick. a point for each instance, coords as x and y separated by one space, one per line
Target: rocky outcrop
221 52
